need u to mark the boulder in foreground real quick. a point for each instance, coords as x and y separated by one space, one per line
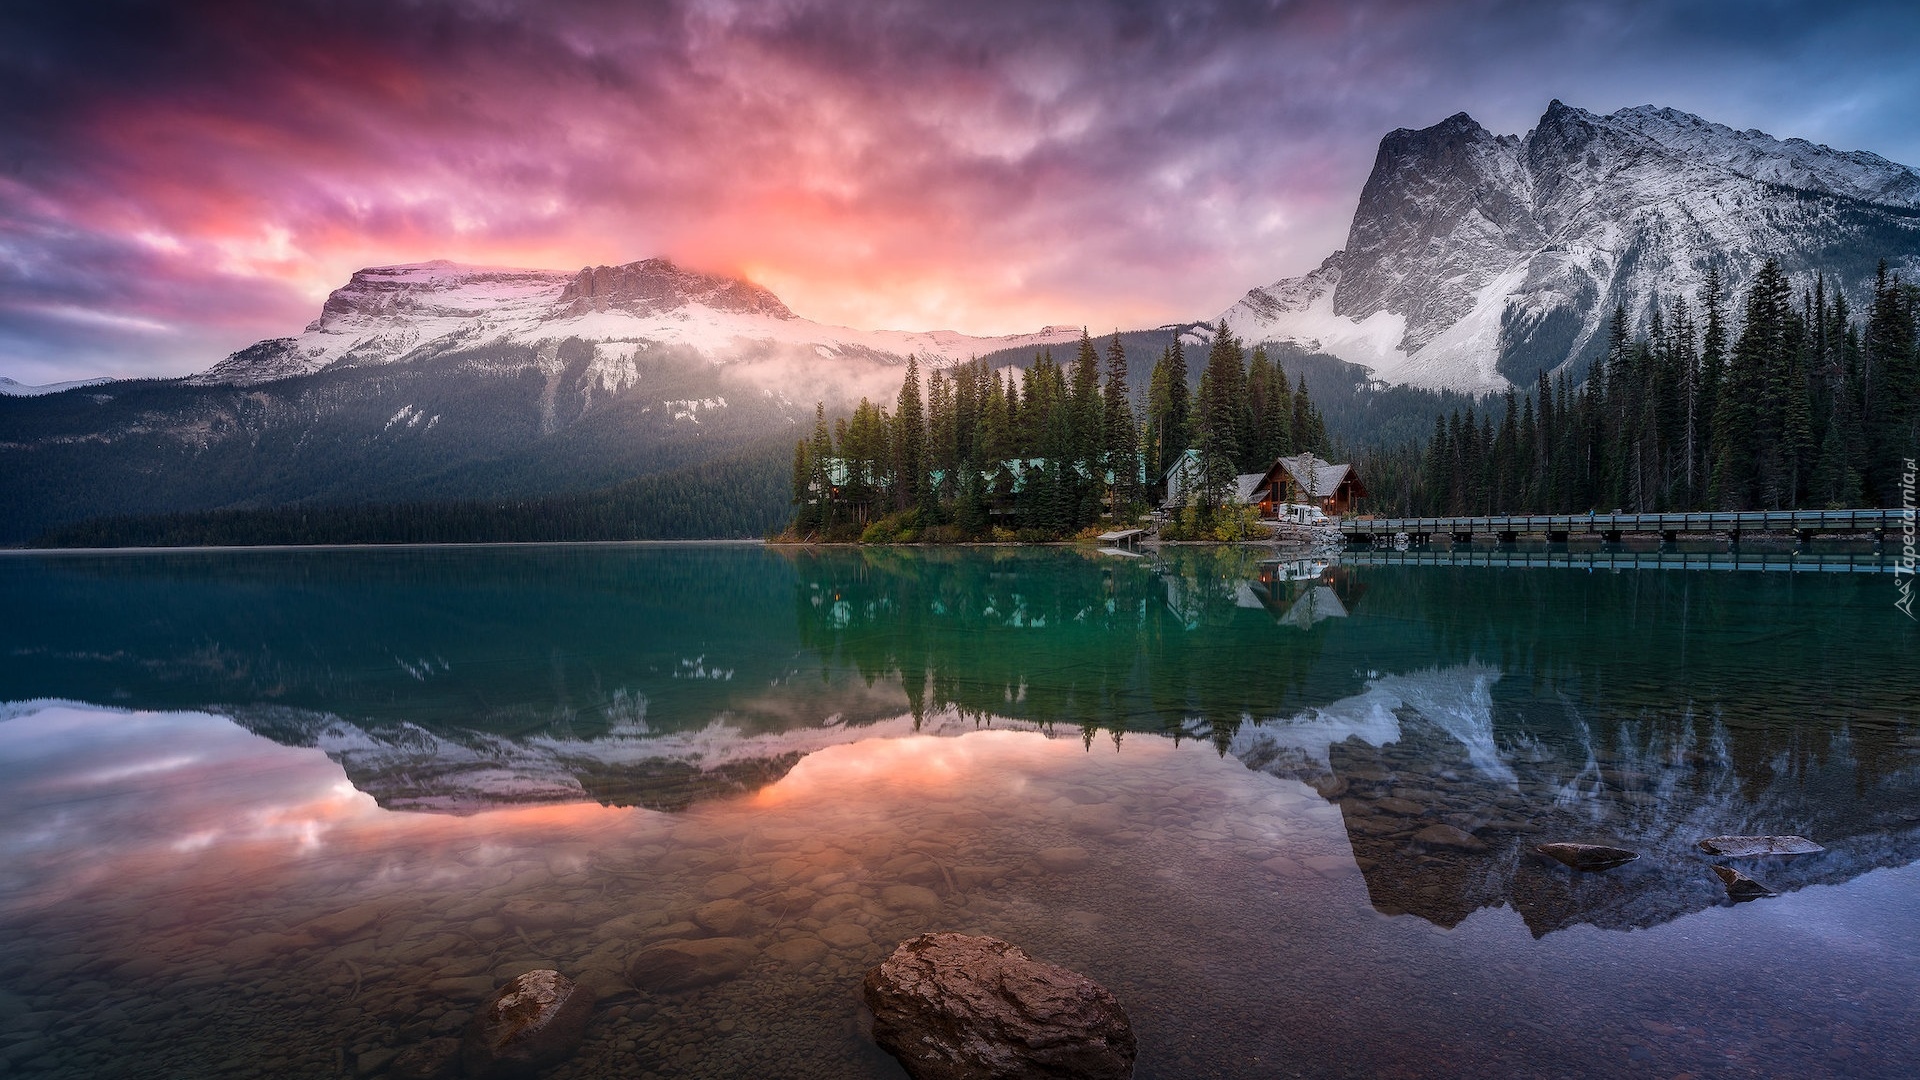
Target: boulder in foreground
1742 847
1592 858
956 1007
533 1021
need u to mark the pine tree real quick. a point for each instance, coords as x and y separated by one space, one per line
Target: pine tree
1169 420
1506 459
1254 455
1438 472
1890 385
803 519
1122 448
1713 357
1218 427
820 455
1280 416
1085 433
910 442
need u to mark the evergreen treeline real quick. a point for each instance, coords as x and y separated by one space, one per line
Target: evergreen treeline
738 497
1808 408
1047 452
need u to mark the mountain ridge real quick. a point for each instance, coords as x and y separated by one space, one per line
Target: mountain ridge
389 314
1475 261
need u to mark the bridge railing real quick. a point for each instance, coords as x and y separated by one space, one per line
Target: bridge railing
1719 521
1847 564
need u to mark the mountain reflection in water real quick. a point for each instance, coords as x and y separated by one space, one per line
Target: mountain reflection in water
313 805
1513 707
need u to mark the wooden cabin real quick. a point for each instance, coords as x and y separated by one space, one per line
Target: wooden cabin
1305 478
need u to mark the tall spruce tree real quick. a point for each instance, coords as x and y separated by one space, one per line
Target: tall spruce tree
910 442
1222 385
1086 434
1891 384
1122 434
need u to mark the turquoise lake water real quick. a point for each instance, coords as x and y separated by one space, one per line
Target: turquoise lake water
290 814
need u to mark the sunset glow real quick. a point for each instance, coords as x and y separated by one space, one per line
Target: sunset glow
182 180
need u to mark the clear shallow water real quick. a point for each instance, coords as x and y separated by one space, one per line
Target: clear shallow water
282 814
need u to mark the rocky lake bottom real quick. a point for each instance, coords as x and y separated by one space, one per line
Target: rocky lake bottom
291 928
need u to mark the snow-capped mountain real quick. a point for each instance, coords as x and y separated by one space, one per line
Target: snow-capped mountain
438 381
1475 260
10 388
389 314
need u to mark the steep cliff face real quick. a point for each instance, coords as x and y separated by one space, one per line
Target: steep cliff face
656 285
1475 260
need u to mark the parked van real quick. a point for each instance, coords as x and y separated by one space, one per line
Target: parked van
1303 514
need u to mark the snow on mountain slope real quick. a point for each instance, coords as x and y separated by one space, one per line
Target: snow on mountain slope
1475 260
391 313
10 388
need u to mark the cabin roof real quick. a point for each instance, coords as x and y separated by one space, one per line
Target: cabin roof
1318 479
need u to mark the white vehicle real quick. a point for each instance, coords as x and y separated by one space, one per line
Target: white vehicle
1303 514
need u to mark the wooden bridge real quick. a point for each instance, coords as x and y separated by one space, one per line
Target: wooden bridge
1628 560
1559 528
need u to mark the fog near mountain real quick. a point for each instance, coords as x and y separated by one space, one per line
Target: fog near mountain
1477 260
416 312
436 381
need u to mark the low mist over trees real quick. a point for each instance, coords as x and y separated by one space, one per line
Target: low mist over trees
1047 452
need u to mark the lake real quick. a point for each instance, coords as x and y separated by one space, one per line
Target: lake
295 813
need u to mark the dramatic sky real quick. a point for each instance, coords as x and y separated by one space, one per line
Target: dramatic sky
180 179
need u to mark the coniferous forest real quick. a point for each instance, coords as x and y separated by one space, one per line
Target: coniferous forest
1047 453
1808 406
1789 402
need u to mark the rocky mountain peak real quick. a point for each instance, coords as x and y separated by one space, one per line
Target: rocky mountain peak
656 285
1475 261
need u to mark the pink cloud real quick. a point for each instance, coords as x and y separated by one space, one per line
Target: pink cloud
209 171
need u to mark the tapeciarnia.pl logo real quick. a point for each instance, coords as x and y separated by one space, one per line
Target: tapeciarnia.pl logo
1903 568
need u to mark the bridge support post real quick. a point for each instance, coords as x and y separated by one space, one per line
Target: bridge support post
1670 536
1509 537
1557 537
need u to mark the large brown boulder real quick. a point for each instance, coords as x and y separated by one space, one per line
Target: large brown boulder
533 1021
957 1007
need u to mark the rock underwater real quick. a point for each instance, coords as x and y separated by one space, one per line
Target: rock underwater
957 1007
1591 858
533 1021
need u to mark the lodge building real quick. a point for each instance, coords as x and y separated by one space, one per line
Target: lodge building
1302 478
